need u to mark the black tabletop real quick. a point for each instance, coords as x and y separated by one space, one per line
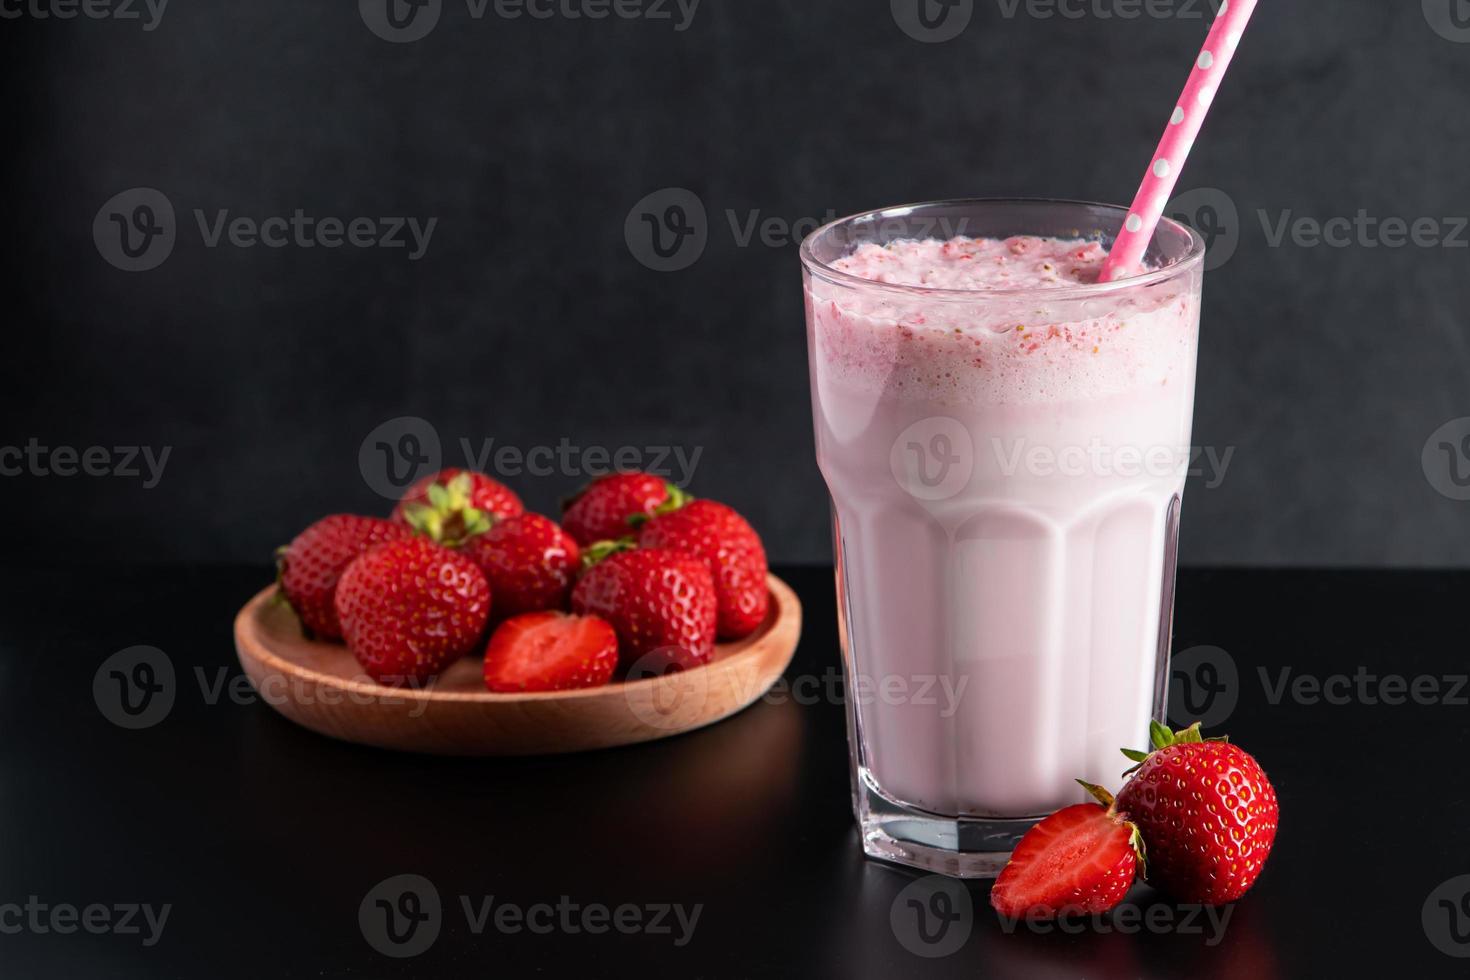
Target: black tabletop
221 840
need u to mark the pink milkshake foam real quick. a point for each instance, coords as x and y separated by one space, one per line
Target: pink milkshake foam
988 346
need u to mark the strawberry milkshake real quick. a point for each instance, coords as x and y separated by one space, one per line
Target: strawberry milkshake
1005 441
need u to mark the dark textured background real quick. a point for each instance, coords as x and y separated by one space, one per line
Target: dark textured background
529 320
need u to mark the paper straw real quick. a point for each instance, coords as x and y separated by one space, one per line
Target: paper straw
1179 136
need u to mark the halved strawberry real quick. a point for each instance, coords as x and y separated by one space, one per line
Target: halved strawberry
602 510
550 651
1080 860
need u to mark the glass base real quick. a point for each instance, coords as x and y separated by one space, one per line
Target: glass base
960 847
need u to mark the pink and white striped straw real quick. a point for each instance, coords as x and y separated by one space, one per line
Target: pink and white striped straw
1179 136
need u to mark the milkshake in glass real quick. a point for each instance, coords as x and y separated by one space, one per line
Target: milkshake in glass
1005 441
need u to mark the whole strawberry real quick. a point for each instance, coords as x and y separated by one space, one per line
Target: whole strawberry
733 551
311 565
1206 811
1080 860
410 608
661 603
601 511
453 504
529 562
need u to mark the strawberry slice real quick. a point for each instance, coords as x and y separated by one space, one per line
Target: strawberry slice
1080 860
550 651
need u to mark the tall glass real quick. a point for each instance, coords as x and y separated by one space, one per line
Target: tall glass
1005 468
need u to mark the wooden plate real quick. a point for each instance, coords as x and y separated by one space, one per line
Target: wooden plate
320 686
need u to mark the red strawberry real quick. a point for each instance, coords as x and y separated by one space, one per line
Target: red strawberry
733 550
1207 812
550 651
601 511
410 608
529 562
660 602
310 565
1078 861
453 504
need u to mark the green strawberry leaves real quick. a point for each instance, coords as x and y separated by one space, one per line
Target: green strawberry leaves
677 498
1162 738
1097 793
598 550
449 518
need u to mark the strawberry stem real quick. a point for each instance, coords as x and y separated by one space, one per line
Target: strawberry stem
1162 737
1098 793
449 518
598 550
677 497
